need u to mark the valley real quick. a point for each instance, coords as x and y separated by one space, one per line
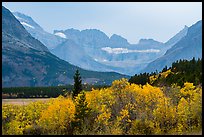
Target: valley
87 78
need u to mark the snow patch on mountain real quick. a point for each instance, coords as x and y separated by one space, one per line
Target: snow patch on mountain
125 50
26 24
18 17
61 34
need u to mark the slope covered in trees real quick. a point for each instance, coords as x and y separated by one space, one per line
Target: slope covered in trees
180 72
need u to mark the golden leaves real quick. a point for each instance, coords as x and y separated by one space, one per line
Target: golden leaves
58 115
122 108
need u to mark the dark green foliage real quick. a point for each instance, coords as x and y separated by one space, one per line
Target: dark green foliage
183 71
36 92
82 111
164 69
140 79
44 92
81 107
77 84
186 71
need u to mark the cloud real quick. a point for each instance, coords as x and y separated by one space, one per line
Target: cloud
125 50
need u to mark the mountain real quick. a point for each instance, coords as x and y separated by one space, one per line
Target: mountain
107 54
149 43
27 21
48 39
11 27
78 56
89 37
27 62
118 42
67 45
114 53
177 37
186 48
92 49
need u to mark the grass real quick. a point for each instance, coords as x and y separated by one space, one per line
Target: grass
22 101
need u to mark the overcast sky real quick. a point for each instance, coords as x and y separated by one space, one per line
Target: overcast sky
131 20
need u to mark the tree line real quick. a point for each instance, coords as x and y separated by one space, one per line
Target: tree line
181 71
43 92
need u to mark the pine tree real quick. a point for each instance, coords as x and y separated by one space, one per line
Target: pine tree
77 84
81 107
82 113
164 69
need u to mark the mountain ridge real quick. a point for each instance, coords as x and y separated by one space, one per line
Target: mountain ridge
186 48
23 65
100 48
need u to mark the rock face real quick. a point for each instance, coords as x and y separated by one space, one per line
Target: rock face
12 27
98 52
92 49
177 37
27 62
188 47
49 40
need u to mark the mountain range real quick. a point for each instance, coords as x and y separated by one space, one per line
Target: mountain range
92 49
188 47
28 62
33 57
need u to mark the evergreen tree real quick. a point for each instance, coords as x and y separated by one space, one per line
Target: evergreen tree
164 69
181 71
82 111
77 84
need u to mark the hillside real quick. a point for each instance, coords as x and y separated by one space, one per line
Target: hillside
178 73
188 47
27 62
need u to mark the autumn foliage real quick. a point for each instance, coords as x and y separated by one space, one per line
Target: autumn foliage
123 108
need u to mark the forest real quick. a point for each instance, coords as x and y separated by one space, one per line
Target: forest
165 105
180 72
43 92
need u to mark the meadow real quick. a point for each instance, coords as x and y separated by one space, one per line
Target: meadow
22 101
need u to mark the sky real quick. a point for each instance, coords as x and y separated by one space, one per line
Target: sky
131 20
